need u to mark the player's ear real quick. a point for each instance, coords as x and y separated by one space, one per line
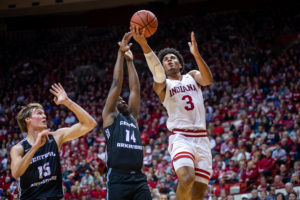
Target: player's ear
27 119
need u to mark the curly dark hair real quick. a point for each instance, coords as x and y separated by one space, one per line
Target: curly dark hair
166 51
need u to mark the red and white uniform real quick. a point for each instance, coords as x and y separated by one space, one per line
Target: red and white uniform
189 144
184 103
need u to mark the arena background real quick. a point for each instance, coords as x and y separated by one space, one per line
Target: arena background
252 48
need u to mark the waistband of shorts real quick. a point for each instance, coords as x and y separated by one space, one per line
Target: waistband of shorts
189 133
125 171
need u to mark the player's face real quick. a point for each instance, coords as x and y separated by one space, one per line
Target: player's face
122 106
171 64
38 119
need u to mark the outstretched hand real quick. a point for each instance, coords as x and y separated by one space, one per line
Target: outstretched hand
124 44
60 96
128 55
138 36
193 44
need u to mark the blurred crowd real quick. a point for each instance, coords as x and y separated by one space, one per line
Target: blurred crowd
252 108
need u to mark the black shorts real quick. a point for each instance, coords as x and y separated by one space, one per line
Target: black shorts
127 185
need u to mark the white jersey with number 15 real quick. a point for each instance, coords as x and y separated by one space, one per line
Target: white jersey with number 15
184 104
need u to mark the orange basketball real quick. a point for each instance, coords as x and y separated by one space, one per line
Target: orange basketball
145 19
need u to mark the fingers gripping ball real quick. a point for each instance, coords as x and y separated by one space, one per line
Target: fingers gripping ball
145 19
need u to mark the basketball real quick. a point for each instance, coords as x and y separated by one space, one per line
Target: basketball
145 19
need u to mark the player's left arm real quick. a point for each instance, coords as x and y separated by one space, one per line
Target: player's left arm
86 122
203 77
134 86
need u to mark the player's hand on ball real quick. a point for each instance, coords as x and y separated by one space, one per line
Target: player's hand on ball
138 36
124 44
193 44
128 55
60 96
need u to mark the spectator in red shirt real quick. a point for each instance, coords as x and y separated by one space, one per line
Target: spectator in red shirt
73 195
84 189
145 137
263 184
5 185
95 192
217 147
231 172
218 128
221 186
103 190
266 164
277 183
289 122
151 182
278 121
251 174
259 96
217 171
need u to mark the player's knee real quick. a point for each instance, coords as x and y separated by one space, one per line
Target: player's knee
187 179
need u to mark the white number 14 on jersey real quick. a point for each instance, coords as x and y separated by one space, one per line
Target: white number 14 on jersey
128 137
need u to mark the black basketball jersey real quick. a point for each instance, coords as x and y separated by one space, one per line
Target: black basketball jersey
42 179
123 144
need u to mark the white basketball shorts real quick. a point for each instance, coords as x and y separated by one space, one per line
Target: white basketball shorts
197 149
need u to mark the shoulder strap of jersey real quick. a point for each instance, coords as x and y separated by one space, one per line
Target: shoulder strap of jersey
107 130
25 145
187 74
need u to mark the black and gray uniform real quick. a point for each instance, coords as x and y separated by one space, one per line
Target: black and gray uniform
42 179
124 159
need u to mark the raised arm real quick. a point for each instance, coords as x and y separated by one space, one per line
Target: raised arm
110 110
19 162
153 62
86 121
134 86
203 77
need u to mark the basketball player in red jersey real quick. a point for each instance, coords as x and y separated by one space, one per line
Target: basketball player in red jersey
182 97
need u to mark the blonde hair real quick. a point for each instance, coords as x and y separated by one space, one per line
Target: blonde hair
26 112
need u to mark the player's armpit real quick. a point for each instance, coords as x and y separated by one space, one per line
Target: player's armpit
160 90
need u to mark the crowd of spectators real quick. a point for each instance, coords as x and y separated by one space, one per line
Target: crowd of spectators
253 107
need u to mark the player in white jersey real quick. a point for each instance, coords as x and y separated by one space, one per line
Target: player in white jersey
184 103
181 95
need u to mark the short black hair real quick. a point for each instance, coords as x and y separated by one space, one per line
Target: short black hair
166 51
